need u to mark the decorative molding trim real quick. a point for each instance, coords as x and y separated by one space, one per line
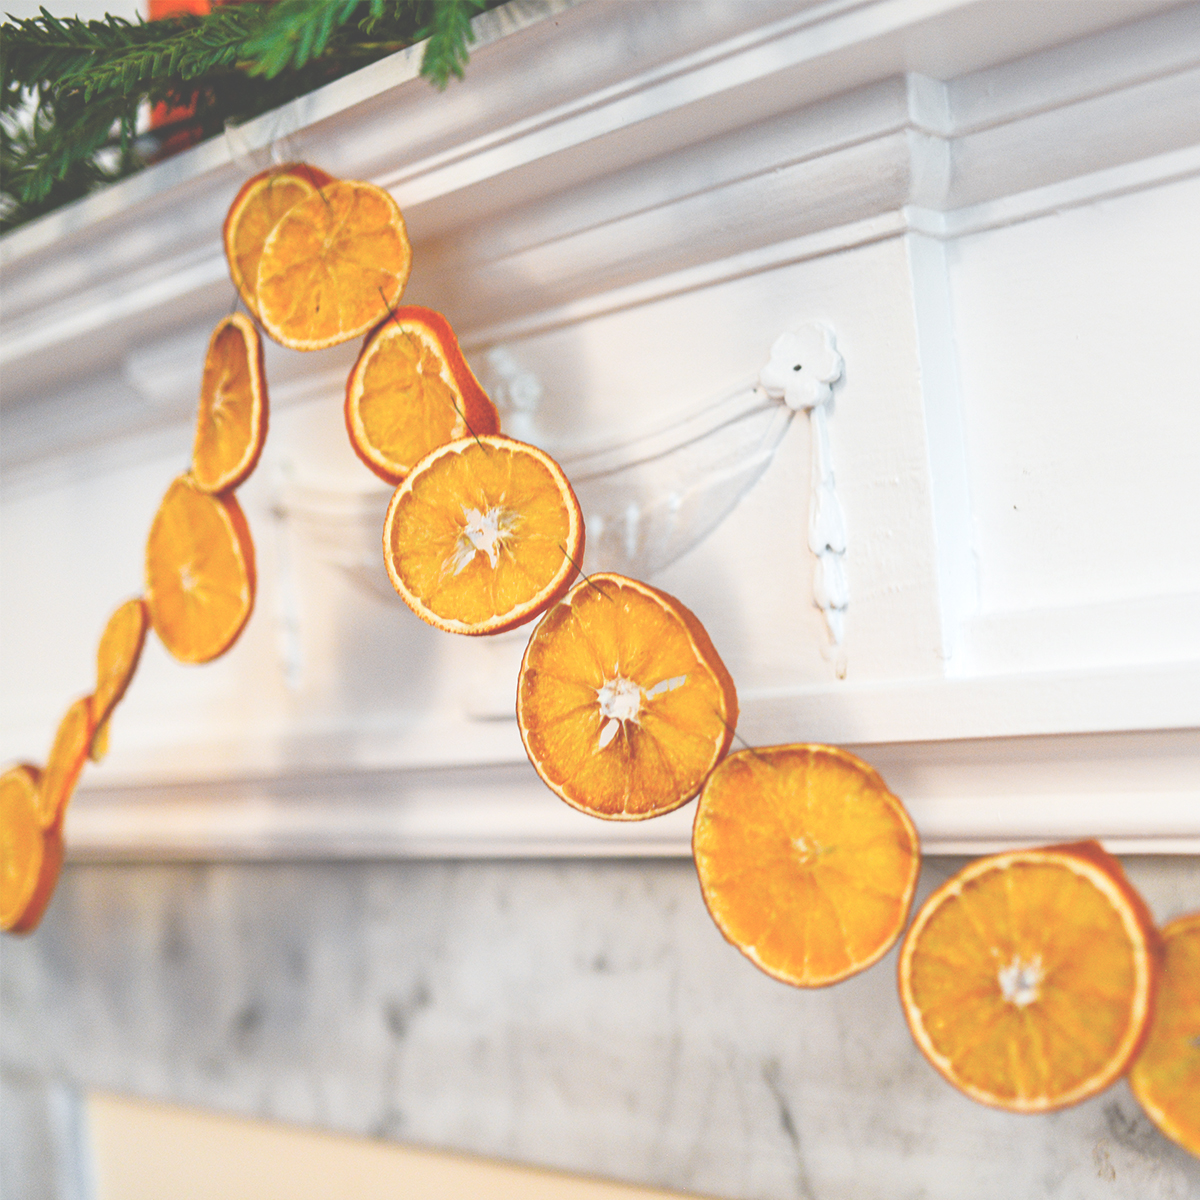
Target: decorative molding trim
1137 792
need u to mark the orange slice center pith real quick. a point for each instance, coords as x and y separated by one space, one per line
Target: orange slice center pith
1166 1074
199 572
622 702
231 421
1027 979
483 535
333 266
807 862
411 391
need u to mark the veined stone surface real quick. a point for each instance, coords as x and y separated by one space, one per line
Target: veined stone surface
580 1015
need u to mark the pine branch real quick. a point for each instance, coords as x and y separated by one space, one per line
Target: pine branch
88 79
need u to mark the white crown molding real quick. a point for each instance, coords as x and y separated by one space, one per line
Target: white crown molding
967 797
827 102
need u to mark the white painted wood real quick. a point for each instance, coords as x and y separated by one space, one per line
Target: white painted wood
993 213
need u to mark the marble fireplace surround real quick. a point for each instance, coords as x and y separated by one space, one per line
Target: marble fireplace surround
270 905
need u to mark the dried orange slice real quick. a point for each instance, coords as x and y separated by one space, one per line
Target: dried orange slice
483 535
1028 978
21 843
806 861
411 391
66 761
623 703
255 211
231 423
1166 1074
333 266
199 572
117 656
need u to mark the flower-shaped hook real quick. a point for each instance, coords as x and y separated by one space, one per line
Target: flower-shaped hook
803 365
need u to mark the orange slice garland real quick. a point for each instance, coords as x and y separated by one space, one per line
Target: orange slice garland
199 572
255 211
67 758
484 534
806 861
1028 978
411 391
231 423
1166 1074
24 864
333 266
623 703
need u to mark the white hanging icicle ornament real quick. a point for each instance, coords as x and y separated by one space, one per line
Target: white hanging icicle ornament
803 367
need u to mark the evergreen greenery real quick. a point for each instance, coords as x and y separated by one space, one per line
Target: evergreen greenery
71 90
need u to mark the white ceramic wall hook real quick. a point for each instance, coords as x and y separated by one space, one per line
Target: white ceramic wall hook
801 372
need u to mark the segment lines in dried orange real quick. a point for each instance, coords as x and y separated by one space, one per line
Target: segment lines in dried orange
200 579
806 861
1028 978
483 535
231 419
623 704
255 211
411 391
333 266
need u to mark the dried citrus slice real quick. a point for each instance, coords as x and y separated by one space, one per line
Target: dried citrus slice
806 861
21 842
483 535
1028 978
255 211
411 391
623 703
1166 1074
199 572
333 266
231 423
66 761
117 656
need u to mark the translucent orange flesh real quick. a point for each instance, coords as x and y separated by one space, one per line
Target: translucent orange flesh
199 572
807 862
231 420
615 647
482 535
1166 1074
67 757
1031 983
332 266
117 657
21 844
404 401
257 215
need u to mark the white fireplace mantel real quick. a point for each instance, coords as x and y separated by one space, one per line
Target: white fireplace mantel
990 205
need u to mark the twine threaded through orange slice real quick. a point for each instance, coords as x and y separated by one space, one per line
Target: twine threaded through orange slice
623 704
1165 1076
200 578
333 266
231 419
255 211
1028 978
806 861
411 391
483 535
